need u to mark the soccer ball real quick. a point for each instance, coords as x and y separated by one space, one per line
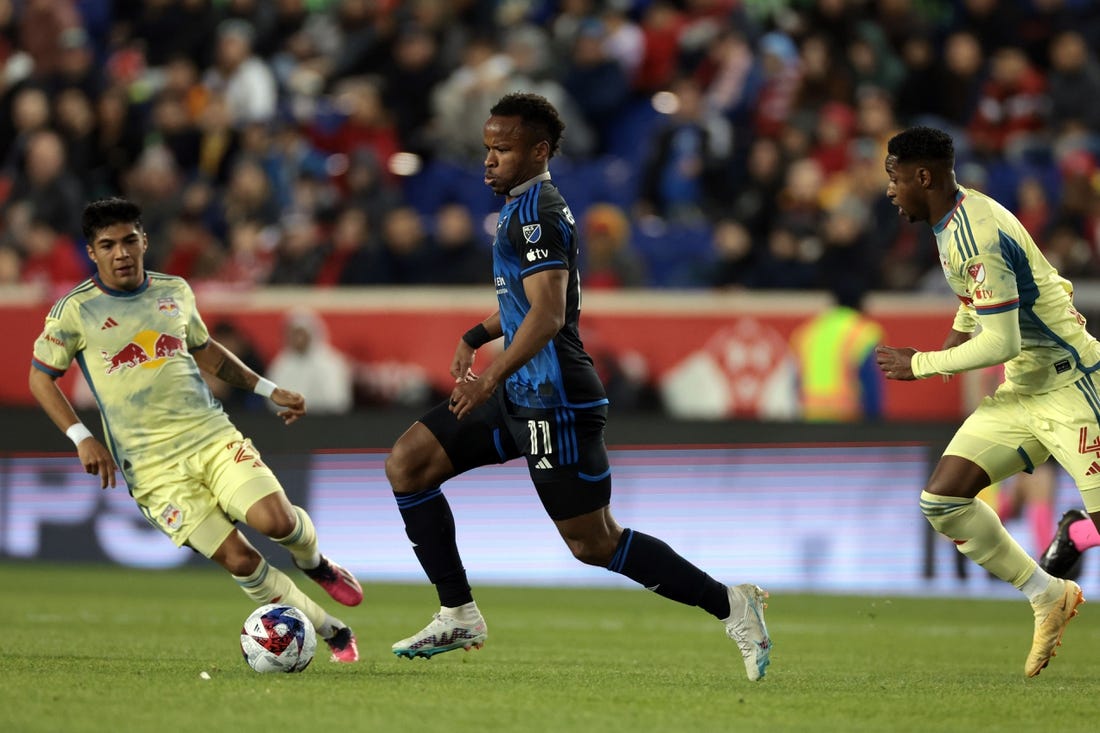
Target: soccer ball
278 638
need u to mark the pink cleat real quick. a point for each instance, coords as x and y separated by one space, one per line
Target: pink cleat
337 582
343 646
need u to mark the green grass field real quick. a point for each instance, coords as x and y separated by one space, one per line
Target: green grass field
106 649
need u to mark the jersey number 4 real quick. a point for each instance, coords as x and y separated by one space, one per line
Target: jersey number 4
540 433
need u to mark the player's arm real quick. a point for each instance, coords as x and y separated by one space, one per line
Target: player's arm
462 366
94 456
998 341
215 359
545 291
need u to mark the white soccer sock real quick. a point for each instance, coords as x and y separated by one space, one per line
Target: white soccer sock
467 612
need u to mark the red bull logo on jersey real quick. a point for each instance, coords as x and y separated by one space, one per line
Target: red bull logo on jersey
172 517
148 349
168 307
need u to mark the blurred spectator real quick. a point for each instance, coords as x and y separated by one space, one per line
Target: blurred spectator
596 81
1011 113
249 195
405 257
460 255
309 364
825 76
11 265
51 258
43 25
736 255
192 252
360 123
836 122
416 65
118 139
1074 84
352 254
46 186
234 398
662 24
30 113
919 89
685 176
251 254
961 88
787 263
242 78
609 262
755 202
299 255
782 78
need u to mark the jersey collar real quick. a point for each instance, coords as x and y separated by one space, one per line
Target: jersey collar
942 223
121 293
544 176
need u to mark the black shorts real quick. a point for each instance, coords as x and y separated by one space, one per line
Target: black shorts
565 449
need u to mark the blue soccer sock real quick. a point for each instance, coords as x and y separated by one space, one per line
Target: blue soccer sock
430 526
650 562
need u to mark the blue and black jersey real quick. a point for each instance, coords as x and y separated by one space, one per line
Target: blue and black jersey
536 232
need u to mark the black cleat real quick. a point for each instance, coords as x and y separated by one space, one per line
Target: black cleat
1062 559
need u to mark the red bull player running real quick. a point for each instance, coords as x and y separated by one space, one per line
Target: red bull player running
141 343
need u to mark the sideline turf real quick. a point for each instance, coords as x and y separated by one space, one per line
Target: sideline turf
108 649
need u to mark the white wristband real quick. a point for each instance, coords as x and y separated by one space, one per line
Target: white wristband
77 432
264 387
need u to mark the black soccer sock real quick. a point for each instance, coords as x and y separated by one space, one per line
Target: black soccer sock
430 526
649 561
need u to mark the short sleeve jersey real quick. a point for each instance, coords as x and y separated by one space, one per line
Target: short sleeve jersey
134 350
537 232
993 266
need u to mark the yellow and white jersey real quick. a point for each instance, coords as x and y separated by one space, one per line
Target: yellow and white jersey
134 349
994 266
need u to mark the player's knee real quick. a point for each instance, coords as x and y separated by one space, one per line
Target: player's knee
239 558
591 550
943 512
408 470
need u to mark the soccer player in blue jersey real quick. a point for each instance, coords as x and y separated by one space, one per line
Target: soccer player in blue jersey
541 399
141 343
1048 403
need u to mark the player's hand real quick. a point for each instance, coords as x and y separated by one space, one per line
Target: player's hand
294 403
468 394
98 460
463 362
895 363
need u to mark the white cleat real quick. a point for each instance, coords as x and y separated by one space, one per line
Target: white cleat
745 626
443 634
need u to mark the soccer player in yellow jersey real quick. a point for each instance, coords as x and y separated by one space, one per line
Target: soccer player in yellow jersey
1048 404
140 342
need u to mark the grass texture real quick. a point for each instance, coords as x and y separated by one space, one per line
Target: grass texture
92 648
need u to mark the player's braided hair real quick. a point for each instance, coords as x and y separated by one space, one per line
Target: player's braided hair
100 214
538 115
922 144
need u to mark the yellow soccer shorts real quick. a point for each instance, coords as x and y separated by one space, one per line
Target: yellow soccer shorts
1010 432
196 501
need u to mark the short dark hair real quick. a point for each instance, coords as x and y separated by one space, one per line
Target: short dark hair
922 144
99 215
538 115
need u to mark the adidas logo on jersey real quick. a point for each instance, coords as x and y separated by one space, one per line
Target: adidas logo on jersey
544 462
109 323
1093 469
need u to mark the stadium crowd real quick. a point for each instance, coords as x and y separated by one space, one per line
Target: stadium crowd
710 143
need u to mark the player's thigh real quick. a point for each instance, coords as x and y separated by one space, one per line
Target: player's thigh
1000 437
237 477
1070 417
481 438
176 501
567 458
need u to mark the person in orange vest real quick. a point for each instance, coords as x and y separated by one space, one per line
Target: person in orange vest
838 380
